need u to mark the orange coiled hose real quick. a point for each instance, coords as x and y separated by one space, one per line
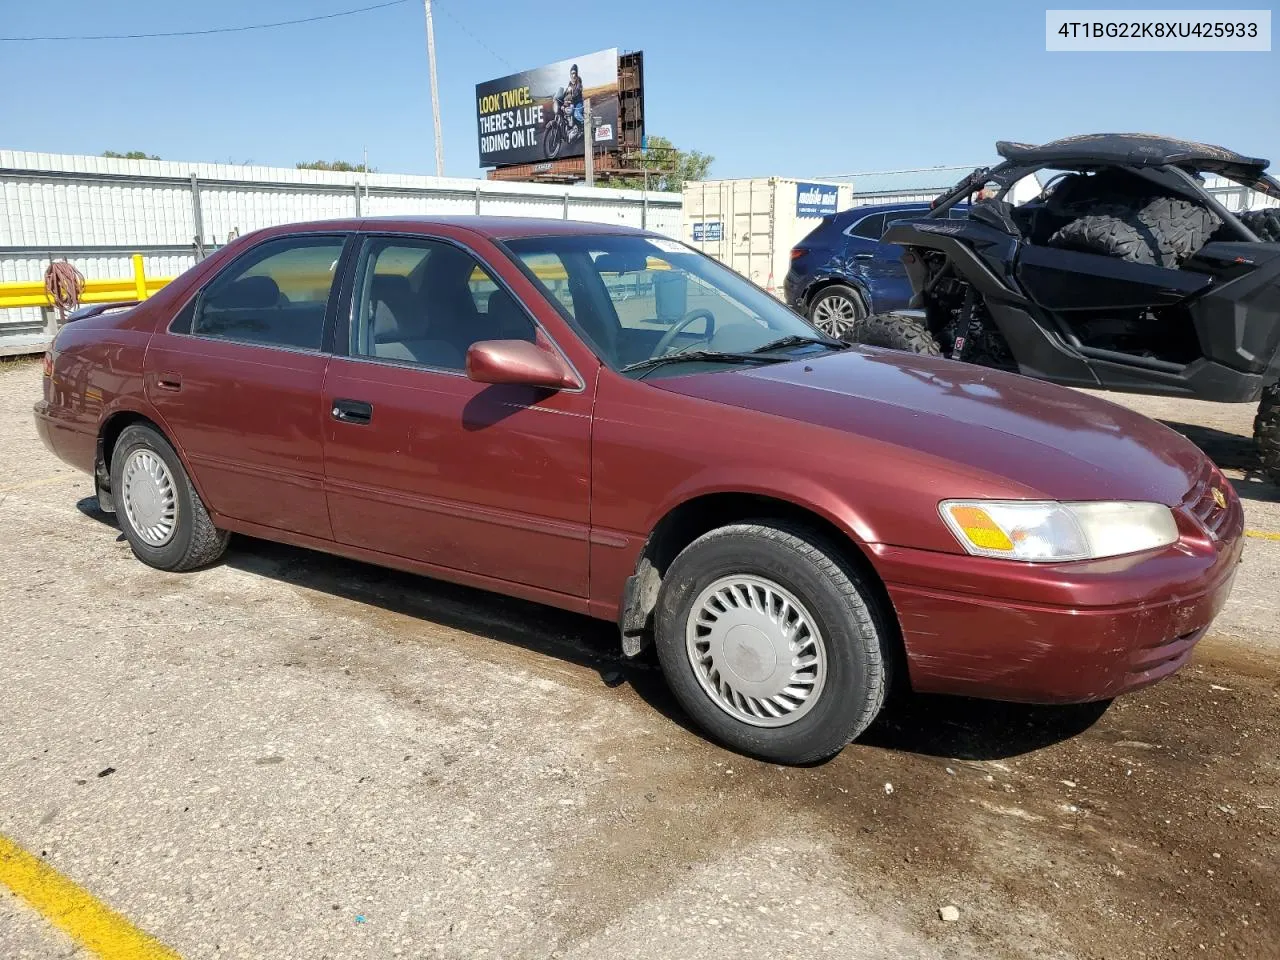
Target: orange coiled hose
65 286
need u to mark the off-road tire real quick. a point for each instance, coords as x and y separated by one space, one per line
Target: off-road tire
1266 432
196 542
896 331
1264 223
1179 228
855 630
1161 231
1112 230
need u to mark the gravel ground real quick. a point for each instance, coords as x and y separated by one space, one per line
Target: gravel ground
317 758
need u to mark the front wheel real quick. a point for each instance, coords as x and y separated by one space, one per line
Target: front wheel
552 140
897 331
771 643
1266 432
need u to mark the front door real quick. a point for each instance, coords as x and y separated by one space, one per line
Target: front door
237 380
421 462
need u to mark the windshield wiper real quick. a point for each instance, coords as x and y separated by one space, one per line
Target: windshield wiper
800 339
712 356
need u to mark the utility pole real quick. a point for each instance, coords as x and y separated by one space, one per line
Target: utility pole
588 137
435 90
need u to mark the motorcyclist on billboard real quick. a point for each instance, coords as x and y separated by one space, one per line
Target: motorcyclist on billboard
573 94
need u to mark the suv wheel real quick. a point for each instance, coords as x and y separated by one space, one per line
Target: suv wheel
772 645
1266 432
158 509
836 310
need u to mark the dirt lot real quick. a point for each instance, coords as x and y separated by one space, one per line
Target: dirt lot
314 758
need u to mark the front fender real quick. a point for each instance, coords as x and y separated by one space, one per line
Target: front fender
774 483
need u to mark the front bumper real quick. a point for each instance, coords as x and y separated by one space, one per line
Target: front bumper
1065 633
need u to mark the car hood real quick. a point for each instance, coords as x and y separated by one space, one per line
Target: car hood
1027 438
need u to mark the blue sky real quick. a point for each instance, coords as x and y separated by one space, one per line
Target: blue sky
802 89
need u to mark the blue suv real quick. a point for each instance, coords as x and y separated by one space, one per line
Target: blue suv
841 272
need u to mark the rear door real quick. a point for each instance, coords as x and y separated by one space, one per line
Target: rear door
237 380
885 274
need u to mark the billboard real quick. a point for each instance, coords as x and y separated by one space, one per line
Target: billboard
517 119
816 199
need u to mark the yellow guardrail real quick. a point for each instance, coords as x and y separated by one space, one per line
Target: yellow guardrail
31 293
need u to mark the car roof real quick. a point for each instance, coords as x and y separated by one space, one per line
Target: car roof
497 228
504 228
871 208
1130 149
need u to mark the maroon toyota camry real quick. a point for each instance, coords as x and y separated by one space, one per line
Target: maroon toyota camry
605 420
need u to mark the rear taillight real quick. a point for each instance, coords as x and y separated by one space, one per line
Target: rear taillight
798 252
48 364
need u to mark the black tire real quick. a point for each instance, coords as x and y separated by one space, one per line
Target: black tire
195 541
897 331
854 629
1266 432
1178 227
1264 223
827 313
552 140
1161 231
1113 231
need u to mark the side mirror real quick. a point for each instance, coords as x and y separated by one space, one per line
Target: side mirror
518 362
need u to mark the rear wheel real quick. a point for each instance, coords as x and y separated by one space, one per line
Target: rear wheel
1266 432
836 309
159 510
771 644
897 331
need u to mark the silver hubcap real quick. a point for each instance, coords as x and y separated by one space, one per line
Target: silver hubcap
150 501
756 651
834 315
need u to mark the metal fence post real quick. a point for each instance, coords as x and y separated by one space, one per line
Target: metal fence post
566 203
197 217
357 186
477 199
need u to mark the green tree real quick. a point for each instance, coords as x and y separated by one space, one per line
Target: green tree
669 167
340 166
131 155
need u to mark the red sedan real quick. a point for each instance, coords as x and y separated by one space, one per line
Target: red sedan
605 420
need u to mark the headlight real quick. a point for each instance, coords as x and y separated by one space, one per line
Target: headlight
1051 531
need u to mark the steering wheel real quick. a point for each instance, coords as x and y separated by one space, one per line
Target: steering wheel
697 313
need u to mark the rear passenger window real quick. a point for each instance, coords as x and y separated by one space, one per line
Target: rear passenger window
891 218
427 302
275 296
869 227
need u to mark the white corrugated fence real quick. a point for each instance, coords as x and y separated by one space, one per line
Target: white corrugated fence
97 211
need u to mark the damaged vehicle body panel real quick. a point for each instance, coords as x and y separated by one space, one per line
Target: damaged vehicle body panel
1124 273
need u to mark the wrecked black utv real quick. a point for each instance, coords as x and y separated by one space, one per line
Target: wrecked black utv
1123 273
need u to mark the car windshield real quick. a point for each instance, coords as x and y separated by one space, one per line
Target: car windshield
652 305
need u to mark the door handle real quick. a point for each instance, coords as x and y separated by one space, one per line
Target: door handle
169 382
352 411
864 256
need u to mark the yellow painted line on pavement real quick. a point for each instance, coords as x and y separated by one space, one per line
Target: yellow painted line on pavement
1262 534
84 918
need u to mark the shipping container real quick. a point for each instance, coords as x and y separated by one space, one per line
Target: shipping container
751 225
